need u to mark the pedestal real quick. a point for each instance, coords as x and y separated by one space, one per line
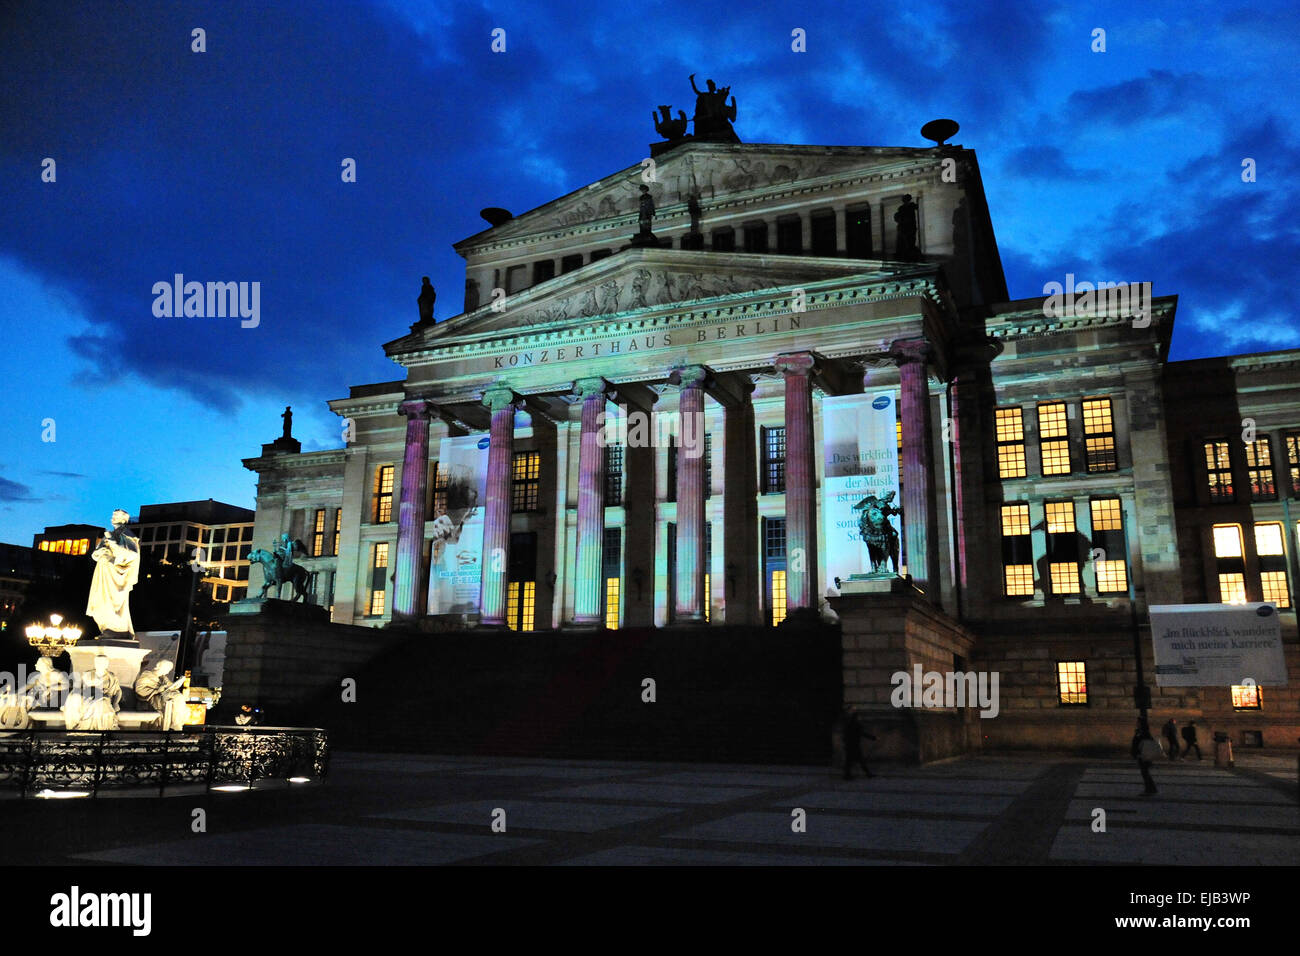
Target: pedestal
124 658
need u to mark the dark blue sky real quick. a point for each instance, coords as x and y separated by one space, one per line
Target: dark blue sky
224 165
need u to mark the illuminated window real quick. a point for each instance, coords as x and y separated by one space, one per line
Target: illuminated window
45 546
898 434
1218 468
1099 435
1292 440
338 528
525 480
521 603
1259 469
383 495
1060 516
1065 577
1108 537
708 465
1232 588
1011 443
1272 563
380 555
778 597
1246 697
1054 438
1062 547
773 460
1017 551
1072 683
376 602
439 505
613 475
318 534
611 603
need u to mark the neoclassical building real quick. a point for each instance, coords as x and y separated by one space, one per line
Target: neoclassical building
1052 467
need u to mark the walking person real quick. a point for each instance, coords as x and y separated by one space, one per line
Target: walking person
851 733
1189 735
1170 731
1145 750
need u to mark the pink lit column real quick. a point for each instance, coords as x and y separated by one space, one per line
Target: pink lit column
496 514
920 521
591 503
407 589
690 496
800 481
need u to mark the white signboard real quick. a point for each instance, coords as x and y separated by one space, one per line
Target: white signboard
1203 645
860 440
456 568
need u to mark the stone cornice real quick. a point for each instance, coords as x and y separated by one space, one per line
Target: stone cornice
301 460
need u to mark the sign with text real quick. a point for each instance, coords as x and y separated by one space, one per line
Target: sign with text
456 568
860 440
1203 645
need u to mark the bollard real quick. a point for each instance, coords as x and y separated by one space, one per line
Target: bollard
1222 750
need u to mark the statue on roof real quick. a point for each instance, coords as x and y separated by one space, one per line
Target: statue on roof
427 297
713 114
667 127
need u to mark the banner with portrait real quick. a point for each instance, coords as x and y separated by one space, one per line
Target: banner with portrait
460 490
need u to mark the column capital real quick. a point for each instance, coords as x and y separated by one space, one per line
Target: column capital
796 363
689 376
418 408
591 387
909 351
500 397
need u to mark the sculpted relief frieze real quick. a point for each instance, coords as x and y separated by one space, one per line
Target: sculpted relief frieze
645 288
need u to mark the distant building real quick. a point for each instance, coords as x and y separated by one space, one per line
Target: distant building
21 566
171 532
67 538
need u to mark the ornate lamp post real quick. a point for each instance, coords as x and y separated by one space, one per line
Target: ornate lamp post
54 638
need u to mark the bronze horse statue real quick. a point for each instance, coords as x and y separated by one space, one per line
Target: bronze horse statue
275 574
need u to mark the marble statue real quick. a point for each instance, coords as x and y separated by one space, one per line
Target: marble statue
95 699
117 568
876 530
428 295
47 688
155 688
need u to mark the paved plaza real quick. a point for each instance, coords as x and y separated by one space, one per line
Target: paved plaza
398 809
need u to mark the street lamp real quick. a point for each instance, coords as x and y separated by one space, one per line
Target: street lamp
54 638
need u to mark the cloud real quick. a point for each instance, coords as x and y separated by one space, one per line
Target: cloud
15 491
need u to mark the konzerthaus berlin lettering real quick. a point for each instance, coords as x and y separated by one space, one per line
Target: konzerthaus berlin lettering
1056 474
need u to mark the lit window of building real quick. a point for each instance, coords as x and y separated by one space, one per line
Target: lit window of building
1259 469
613 475
1272 563
338 529
1017 551
318 533
521 605
1108 537
1062 547
1292 440
1246 697
1011 443
525 480
1229 557
1054 438
1099 435
1218 469
774 562
612 564
378 578
1072 683
383 494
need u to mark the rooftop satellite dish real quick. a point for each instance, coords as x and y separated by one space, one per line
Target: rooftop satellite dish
940 130
495 215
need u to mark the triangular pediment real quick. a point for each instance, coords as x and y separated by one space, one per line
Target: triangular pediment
709 171
640 280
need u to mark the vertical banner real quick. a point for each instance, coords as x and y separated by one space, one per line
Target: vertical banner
860 438
456 567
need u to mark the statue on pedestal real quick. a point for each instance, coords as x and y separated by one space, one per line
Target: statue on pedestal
428 296
46 689
164 695
667 127
279 568
713 114
880 535
905 244
117 568
95 699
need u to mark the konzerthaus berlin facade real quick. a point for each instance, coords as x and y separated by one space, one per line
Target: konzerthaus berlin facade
1050 467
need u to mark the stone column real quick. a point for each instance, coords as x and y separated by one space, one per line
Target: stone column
496 525
407 590
920 521
691 379
800 482
589 584
740 544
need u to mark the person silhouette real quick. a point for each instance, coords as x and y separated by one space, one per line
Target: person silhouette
1170 731
851 733
1144 754
1189 735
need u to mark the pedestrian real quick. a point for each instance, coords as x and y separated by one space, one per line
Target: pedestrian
1171 735
1189 735
851 734
1146 751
